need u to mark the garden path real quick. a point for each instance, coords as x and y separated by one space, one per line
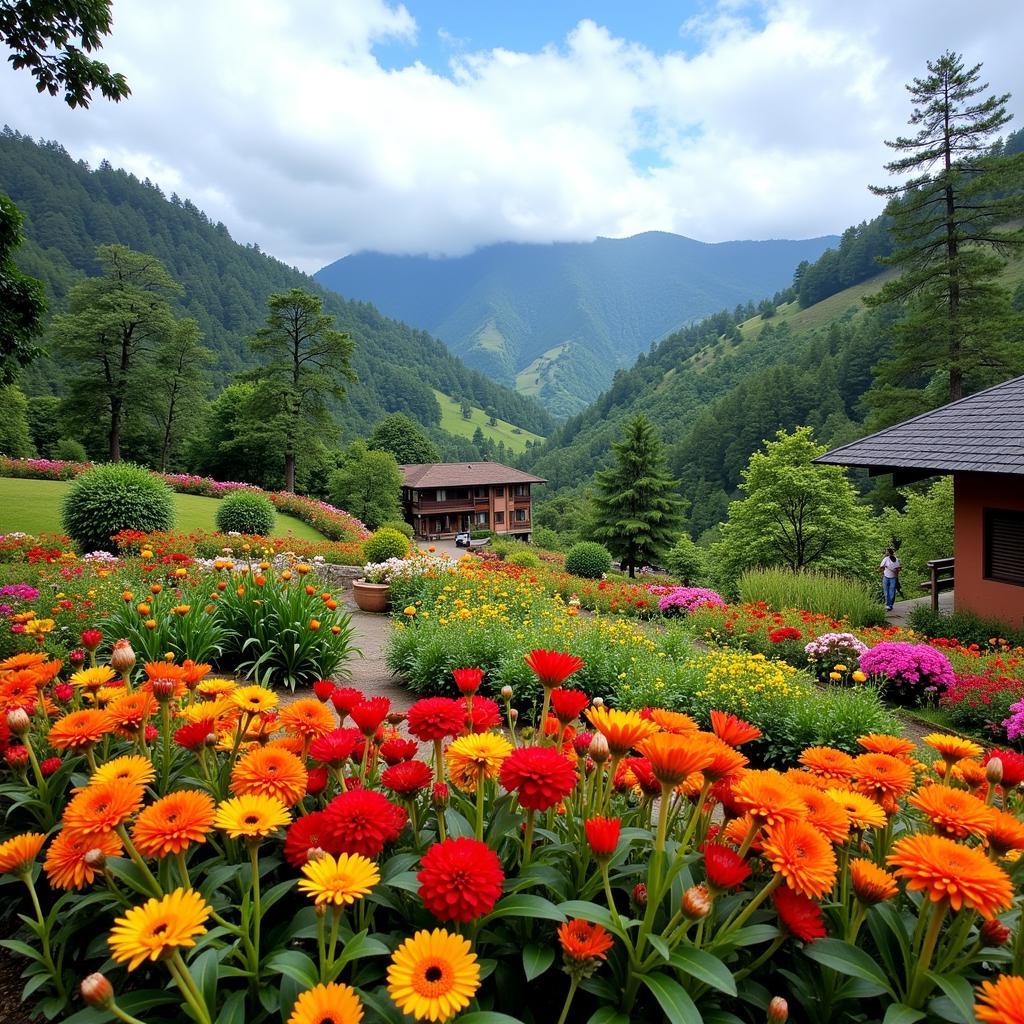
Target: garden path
901 609
370 672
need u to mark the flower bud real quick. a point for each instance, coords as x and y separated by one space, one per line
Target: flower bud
97 991
96 859
778 1011
994 933
315 853
49 766
439 795
211 740
395 717
513 715
599 749
696 902
18 721
581 743
598 702
77 658
322 689
506 693
640 894
122 657
163 689
16 756
994 771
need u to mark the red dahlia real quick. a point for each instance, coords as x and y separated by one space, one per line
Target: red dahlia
398 749
603 835
552 668
468 679
368 714
336 747
193 736
91 639
566 705
435 718
323 689
483 715
305 834
460 879
725 868
344 699
541 776
316 781
800 914
643 775
407 778
362 821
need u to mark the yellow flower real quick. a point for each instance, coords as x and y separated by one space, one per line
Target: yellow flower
469 757
334 1003
251 816
339 880
254 699
433 975
159 927
93 678
131 768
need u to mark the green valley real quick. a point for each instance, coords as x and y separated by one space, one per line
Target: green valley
514 438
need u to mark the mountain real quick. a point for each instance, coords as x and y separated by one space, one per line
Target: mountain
71 208
557 320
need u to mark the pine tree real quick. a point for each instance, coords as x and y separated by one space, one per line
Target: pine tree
637 512
952 227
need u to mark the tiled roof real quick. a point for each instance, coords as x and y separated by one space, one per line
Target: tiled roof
464 474
983 433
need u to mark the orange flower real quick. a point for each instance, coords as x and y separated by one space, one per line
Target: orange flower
768 797
165 670
622 729
79 730
970 772
27 660
582 941
1005 832
726 761
19 853
673 756
862 811
803 856
871 884
129 712
270 771
826 815
308 718
883 743
827 762
173 823
732 730
19 690
736 831
672 721
952 748
809 780
194 672
950 871
953 812
66 866
1001 1001
883 777
101 808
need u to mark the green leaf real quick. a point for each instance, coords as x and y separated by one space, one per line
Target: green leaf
660 945
847 959
526 905
536 960
705 967
960 994
720 1017
753 935
608 1015
673 999
900 1013
360 946
21 947
233 1010
406 880
205 969
488 1017
295 965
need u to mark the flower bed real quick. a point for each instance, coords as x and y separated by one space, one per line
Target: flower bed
254 862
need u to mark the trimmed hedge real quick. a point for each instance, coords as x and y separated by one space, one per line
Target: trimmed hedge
246 512
588 559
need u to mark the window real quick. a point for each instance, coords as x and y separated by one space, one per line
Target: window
481 519
440 494
520 515
522 490
1004 546
479 492
499 517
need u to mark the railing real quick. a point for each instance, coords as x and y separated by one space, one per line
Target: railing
941 570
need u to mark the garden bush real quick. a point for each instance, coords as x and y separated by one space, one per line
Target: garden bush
588 559
67 449
548 539
111 498
910 674
385 544
823 593
524 559
966 627
687 562
400 525
246 512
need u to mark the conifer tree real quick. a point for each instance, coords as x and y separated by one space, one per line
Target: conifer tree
637 512
952 227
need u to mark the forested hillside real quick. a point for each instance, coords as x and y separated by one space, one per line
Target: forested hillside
70 209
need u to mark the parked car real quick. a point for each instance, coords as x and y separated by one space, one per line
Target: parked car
462 540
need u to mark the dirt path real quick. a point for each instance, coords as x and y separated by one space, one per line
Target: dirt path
370 672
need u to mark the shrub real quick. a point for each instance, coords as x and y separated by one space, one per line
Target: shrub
687 562
385 544
245 512
67 449
588 559
824 593
830 649
966 627
504 546
524 559
108 499
481 534
683 600
550 540
400 525
909 673
982 703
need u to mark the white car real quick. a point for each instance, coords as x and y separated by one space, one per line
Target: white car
462 540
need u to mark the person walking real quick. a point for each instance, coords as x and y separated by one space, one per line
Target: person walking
890 566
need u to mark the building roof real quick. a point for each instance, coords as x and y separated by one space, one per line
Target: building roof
983 433
464 474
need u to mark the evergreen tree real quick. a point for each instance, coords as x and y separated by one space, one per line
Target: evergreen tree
403 438
951 223
308 363
22 304
637 512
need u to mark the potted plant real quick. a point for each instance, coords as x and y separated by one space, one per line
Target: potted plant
372 592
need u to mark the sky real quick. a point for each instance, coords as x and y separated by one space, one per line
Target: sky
318 128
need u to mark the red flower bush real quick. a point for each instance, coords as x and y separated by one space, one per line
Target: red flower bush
783 633
397 749
540 776
436 718
460 879
362 821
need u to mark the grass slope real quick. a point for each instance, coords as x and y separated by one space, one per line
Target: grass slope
33 506
452 420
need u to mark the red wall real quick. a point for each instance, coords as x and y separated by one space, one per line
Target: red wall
974 492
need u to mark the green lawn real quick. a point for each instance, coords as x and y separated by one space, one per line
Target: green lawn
453 421
33 506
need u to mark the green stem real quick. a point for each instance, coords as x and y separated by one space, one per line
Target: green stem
165 761
254 859
138 861
919 986
122 1016
733 923
480 807
44 935
183 979
609 897
573 984
528 838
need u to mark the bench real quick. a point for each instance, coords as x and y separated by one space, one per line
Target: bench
941 570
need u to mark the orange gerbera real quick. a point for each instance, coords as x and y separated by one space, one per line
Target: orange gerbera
672 721
734 731
953 748
622 729
673 756
130 712
308 718
946 870
1001 1001
737 829
18 854
194 672
19 690
970 772
583 940
26 660
726 761
68 865
953 812
1005 832
165 670
871 884
809 780
883 777
827 762
270 771
826 815
862 811
802 855
101 808
79 730
768 797
129 768
173 823
883 743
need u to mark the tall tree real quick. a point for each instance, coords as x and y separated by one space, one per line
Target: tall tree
115 326
402 437
952 223
308 362
22 304
367 484
637 511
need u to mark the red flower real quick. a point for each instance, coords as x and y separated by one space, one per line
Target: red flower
435 718
398 749
732 730
344 699
323 689
603 835
725 868
369 713
49 766
305 834
777 636
336 747
460 879
552 668
193 736
362 821
799 914
542 776
1013 766
91 639
566 705
63 692
316 781
642 773
483 715
407 778
468 679
17 756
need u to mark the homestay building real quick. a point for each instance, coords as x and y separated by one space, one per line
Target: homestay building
442 499
979 440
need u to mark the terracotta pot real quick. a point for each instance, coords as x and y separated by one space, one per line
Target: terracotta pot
371 597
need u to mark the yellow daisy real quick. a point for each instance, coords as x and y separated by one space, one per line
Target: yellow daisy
338 880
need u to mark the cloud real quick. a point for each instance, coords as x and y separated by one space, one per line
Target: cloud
762 120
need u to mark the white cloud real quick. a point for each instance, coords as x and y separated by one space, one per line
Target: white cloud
278 119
